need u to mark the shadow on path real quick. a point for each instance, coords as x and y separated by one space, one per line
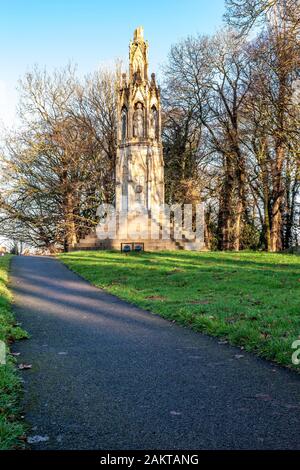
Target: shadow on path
107 375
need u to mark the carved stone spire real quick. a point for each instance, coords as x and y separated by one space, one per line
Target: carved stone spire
139 34
138 56
139 163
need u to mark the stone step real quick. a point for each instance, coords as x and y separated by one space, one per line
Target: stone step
91 241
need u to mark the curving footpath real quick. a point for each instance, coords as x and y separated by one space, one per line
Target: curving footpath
108 375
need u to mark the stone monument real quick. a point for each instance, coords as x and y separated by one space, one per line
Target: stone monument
140 167
137 218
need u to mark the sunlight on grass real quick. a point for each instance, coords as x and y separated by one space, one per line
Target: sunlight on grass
251 299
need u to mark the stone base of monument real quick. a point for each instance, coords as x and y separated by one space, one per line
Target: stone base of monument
92 242
143 230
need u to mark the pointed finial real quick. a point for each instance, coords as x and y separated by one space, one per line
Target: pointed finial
139 33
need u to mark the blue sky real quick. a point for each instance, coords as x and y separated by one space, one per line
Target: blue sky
90 33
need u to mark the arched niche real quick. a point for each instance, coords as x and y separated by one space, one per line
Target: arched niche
124 120
138 120
153 123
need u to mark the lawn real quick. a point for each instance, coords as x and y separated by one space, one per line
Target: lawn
11 427
251 299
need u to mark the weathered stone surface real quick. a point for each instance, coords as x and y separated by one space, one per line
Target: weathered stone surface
139 166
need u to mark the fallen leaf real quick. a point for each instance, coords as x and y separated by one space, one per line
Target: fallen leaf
36 439
25 366
265 335
262 396
175 413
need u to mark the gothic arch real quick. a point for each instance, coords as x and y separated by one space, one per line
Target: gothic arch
138 120
124 123
154 122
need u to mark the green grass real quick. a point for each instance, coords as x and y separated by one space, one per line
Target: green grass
11 427
251 299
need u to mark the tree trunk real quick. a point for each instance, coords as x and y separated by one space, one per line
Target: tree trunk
266 198
267 225
70 226
226 218
241 202
276 230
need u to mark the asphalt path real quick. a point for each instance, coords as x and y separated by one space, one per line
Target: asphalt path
108 375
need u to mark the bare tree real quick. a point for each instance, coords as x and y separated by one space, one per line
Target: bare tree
56 167
209 77
244 14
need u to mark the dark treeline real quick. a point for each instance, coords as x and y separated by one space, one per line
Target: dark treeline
232 126
231 138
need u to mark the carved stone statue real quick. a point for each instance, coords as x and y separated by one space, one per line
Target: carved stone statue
138 121
153 123
124 123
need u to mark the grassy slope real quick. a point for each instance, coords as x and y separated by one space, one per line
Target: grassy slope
252 299
10 385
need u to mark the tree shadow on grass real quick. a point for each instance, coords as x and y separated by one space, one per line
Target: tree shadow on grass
207 262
